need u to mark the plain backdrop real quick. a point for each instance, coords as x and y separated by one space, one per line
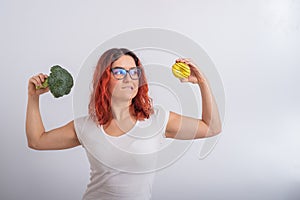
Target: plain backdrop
255 46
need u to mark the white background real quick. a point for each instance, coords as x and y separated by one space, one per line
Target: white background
255 46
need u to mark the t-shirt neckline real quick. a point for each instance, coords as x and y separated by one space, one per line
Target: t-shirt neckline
124 134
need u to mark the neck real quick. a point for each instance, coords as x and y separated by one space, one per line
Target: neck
120 110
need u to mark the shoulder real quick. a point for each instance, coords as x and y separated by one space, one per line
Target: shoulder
82 123
160 116
160 112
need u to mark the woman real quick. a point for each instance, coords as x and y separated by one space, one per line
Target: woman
119 108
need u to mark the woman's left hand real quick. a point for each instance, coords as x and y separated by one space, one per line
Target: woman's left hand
196 76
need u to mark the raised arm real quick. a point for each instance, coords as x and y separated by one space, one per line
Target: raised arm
60 138
183 127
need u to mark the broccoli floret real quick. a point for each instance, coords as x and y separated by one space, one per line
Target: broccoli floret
60 81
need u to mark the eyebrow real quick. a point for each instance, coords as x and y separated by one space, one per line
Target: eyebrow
118 67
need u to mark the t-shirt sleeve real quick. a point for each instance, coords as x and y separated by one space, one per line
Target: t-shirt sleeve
163 117
79 124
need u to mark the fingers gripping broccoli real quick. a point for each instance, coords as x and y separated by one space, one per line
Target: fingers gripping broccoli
60 81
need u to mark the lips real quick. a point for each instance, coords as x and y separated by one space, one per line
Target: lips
128 87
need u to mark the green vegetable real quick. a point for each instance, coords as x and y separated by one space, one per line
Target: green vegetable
60 81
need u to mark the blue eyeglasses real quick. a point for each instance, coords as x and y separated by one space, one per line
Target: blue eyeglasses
120 73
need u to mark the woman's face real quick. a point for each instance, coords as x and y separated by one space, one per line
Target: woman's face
126 88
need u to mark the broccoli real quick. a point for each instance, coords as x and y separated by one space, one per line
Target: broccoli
60 81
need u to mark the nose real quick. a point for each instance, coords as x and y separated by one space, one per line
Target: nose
127 78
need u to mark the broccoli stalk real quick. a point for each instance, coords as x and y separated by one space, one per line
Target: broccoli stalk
60 81
44 85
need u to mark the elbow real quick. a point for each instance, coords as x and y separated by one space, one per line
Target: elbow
34 141
216 128
215 131
33 145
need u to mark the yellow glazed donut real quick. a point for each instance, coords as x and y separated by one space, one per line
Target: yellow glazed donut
181 70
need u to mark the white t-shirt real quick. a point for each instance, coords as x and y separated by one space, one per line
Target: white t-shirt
122 168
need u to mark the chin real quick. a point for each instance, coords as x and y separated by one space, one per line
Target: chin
125 97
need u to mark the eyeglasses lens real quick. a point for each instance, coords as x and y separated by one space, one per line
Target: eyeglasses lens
120 73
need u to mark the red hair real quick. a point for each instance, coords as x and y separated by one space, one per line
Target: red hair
100 99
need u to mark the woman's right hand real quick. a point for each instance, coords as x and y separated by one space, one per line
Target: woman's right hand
35 81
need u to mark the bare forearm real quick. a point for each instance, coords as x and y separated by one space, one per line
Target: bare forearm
210 112
34 124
